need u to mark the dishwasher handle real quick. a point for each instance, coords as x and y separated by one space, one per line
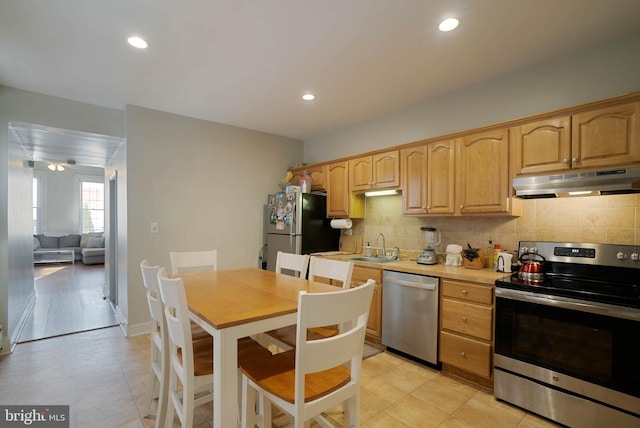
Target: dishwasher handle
430 287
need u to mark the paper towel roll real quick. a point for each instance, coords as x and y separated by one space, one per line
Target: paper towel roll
341 223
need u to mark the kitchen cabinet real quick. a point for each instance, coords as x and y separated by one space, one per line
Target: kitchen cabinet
542 146
466 329
374 326
483 184
605 137
378 171
341 203
428 179
317 174
414 180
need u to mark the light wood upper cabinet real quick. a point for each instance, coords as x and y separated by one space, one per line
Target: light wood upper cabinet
482 172
601 138
341 203
317 174
441 178
542 146
414 180
606 137
379 171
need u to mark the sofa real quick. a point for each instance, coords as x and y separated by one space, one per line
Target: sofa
88 247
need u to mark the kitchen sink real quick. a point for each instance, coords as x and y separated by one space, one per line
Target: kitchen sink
373 259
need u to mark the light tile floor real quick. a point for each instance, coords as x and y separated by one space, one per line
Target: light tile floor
103 375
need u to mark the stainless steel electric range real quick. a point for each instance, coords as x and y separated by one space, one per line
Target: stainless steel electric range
568 342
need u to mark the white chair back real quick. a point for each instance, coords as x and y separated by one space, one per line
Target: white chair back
192 261
176 313
150 280
335 270
292 264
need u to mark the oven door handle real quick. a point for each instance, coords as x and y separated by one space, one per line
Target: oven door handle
572 304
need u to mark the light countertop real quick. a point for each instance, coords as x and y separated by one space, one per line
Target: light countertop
483 276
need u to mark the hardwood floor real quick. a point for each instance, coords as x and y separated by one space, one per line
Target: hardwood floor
69 299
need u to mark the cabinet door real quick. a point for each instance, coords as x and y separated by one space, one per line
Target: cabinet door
338 189
441 178
360 174
606 137
542 146
483 175
317 174
386 169
359 276
414 180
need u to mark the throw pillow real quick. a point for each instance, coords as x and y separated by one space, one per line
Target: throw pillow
48 241
85 238
94 242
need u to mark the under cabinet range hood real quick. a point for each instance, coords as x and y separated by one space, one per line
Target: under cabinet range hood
609 182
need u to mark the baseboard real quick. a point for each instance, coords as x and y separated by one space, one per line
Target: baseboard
10 342
139 329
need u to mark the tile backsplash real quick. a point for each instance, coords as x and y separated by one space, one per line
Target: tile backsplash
597 219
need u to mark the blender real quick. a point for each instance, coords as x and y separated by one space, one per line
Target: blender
431 239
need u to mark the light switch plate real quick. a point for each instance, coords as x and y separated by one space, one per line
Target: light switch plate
154 227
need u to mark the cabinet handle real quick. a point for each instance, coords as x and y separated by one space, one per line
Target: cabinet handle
464 292
461 206
464 319
574 160
565 160
462 354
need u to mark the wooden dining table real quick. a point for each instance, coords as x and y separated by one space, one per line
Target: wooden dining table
231 304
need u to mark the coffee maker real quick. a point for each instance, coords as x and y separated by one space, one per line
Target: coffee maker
431 238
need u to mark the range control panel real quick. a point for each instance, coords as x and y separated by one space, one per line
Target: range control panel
627 256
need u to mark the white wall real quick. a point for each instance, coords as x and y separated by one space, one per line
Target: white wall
205 184
60 197
29 107
603 71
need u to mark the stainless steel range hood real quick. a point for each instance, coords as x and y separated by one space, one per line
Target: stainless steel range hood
609 182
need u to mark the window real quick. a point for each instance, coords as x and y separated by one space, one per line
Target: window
35 205
92 202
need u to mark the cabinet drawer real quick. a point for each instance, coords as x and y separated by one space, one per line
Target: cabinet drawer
467 318
467 291
467 354
361 274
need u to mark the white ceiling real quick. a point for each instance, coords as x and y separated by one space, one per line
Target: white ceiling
247 62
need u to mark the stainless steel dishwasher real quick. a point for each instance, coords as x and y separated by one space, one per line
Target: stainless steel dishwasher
410 314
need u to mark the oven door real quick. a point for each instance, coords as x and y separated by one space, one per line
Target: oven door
595 343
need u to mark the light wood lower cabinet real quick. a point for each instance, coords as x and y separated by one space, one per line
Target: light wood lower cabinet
360 275
466 329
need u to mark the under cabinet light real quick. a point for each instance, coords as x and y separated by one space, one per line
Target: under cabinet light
381 192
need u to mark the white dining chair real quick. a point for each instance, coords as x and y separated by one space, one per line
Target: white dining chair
337 272
159 368
318 374
191 261
190 365
292 264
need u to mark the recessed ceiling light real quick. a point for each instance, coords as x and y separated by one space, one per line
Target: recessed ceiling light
137 42
308 97
448 24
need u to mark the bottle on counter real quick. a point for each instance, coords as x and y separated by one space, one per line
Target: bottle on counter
367 250
488 261
497 248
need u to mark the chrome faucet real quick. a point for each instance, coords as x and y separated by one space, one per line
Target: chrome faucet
384 247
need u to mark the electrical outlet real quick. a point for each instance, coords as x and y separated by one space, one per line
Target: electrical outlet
154 227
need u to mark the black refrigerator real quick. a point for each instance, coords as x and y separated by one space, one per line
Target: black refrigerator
297 223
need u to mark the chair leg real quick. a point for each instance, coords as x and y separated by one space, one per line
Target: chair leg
351 412
150 390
